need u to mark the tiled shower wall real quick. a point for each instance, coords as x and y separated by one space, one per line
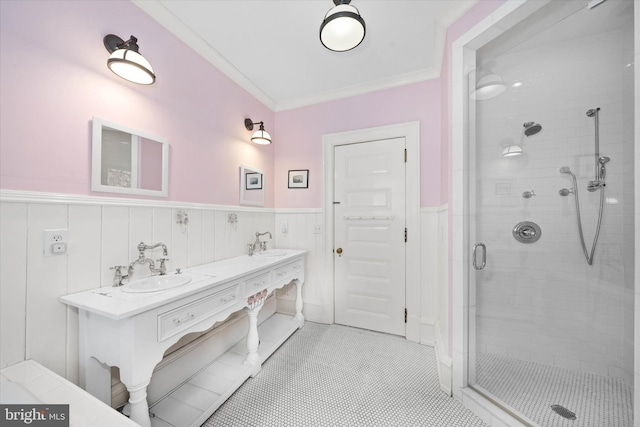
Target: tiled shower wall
541 302
102 233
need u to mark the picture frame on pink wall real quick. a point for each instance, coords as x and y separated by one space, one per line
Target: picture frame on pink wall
299 178
253 181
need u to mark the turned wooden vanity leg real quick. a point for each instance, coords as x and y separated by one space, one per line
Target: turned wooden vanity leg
139 405
253 340
299 317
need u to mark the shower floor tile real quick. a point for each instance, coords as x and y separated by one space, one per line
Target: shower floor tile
532 388
332 375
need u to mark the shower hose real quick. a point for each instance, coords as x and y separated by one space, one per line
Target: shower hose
588 256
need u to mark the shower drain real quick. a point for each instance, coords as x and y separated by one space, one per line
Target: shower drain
563 412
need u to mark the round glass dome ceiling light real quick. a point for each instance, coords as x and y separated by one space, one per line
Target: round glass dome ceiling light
342 28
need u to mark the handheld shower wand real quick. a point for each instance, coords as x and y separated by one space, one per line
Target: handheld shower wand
574 190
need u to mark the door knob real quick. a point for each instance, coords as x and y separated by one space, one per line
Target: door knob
339 251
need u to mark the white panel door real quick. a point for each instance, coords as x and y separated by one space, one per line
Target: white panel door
369 218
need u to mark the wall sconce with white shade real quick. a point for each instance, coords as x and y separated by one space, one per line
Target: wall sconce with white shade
260 136
342 28
126 62
512 150
488 86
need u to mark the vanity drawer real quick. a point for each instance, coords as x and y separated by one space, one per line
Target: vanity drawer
256 284
181 318
289 271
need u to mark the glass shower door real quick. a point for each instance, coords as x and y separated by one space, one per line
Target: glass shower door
550 336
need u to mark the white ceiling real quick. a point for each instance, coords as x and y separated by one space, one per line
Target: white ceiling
272 47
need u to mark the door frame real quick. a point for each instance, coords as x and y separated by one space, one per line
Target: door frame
411 132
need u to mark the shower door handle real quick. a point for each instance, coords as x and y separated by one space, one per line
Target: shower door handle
475 256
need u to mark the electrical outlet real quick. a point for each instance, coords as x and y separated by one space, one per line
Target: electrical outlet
284 227
317 228
55 242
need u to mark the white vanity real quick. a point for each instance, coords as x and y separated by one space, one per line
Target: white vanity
132 329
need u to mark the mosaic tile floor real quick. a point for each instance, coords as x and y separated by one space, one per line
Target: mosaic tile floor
532 388
332 375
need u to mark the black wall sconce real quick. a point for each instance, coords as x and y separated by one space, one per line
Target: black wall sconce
260 136
126 62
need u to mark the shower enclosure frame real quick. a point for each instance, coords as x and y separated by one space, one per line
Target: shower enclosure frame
463 61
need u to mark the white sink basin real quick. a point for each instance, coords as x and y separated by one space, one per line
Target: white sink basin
156 283
272 252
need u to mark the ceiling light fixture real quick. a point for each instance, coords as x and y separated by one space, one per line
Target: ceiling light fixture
260 136
126 62
342 28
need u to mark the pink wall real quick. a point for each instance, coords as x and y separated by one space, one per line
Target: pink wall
300 131
55 78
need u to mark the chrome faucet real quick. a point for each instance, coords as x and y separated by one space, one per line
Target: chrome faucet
162 270
142 259
258 245
142 247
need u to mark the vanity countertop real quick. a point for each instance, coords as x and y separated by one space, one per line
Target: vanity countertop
113 303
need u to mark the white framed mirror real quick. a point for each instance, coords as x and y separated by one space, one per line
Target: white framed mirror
128 161
251 186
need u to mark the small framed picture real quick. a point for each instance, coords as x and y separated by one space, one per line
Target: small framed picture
253 181
299 178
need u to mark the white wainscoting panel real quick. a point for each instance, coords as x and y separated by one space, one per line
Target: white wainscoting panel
103 232
13 282
434 319
301 235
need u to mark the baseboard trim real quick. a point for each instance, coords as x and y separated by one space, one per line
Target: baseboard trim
443 363
427 333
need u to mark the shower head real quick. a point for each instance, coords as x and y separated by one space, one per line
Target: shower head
604 159
531 128
565 191
592 112
565 169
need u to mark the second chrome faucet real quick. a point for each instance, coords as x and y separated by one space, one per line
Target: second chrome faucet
258 245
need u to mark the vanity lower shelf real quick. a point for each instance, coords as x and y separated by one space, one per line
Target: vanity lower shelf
194 401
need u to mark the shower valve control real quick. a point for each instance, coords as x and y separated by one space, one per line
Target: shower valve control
527 232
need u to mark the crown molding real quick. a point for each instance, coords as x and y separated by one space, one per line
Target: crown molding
361 89
164 17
